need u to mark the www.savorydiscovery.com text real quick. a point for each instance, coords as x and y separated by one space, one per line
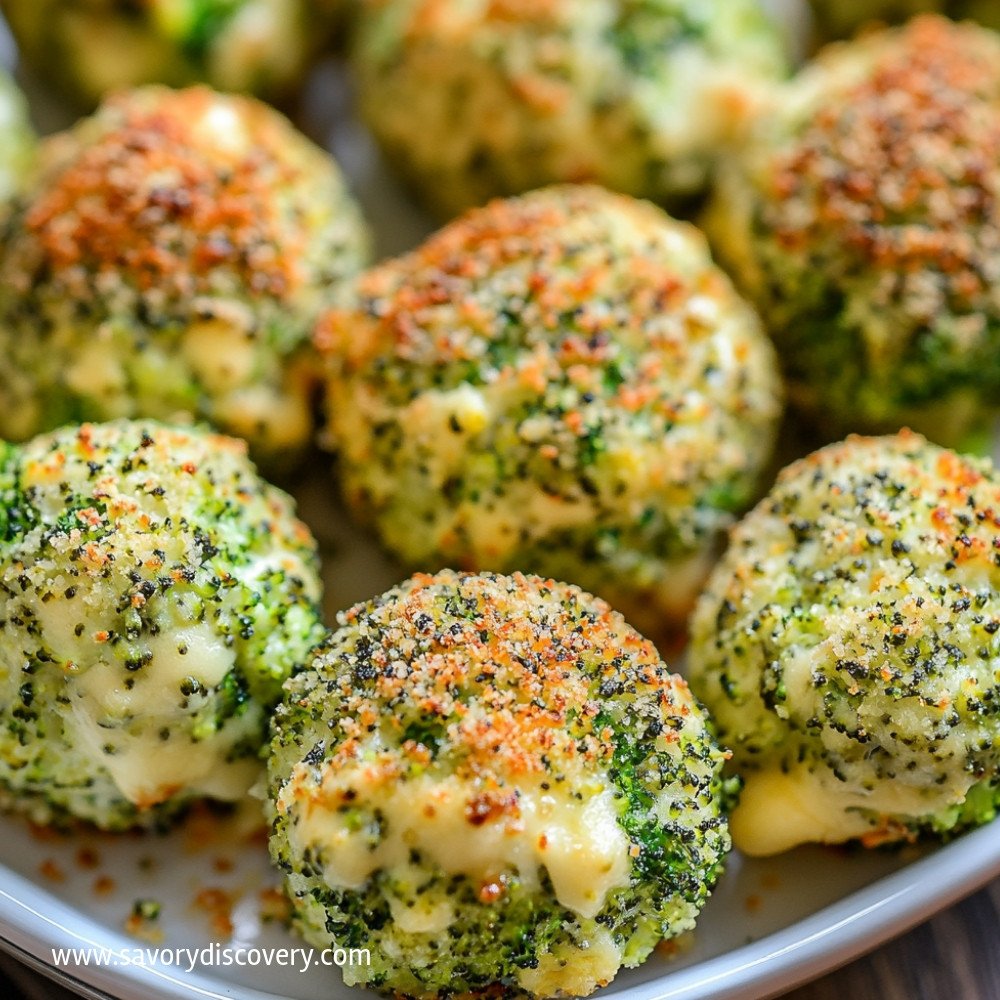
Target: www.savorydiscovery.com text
211 956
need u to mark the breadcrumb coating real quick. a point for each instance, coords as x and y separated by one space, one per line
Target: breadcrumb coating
154 594
471 100
214 223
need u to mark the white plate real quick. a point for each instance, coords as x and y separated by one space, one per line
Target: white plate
770 924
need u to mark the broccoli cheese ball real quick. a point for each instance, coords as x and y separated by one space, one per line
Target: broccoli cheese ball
17 139
482 98
562 382
93 47
493 780
863 221
848 649
154 594
169 261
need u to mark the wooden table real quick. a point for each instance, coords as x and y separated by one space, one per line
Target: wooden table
955 956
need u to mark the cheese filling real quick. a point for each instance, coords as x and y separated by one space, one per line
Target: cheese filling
580 844
137 732
778 810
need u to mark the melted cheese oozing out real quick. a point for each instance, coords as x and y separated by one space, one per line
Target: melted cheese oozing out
145 768
580 844
779 811
96 371
263 414
220 353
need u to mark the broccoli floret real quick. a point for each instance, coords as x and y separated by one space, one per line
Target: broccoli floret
861 221
201 235
636 95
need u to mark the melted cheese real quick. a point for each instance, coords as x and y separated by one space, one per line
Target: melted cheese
146 770
579 843
220 353
96 371
276 419
156 688
779 811
419 914
105 714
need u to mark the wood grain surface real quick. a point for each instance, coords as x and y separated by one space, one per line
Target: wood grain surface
954 956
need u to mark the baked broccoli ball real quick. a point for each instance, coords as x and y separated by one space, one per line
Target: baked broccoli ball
17 139
476 99
493 780
169 261
563 383
863 221
93 47
847 647
154 594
